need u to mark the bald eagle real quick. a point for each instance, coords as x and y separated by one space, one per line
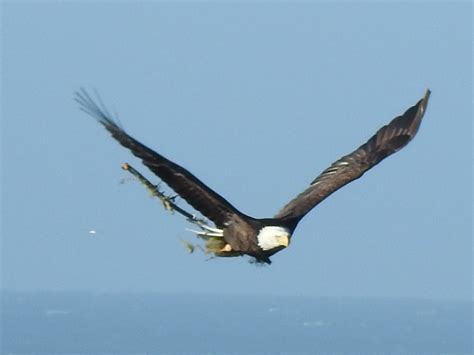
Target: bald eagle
262 237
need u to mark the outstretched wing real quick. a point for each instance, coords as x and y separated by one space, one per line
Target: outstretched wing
386 141
185 184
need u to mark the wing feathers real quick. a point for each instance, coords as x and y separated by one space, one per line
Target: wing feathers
386 141
185 184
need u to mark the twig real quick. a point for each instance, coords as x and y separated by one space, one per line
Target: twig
215 243
168 201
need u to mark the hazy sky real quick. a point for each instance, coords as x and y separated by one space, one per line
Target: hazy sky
256 100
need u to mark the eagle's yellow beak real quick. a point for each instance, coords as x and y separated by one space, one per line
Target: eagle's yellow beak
284 240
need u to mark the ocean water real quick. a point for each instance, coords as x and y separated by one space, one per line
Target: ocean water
87 323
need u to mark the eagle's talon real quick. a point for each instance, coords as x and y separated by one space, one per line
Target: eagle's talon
226 249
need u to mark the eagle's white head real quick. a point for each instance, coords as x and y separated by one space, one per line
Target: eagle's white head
271 237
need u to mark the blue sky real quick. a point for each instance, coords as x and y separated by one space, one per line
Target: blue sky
256 99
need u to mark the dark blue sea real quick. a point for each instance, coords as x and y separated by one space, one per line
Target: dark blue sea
87 323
